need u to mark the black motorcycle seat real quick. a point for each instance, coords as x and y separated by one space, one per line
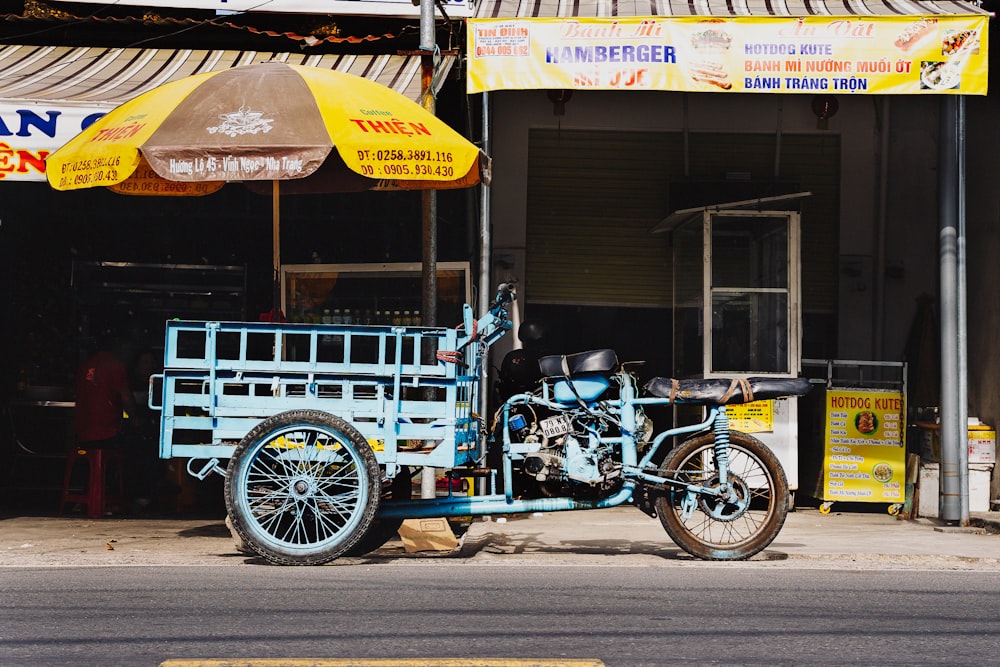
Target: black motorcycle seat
725 391
592 361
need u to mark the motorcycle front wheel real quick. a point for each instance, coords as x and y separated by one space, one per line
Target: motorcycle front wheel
717 529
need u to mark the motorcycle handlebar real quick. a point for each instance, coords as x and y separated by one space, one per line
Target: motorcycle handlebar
505 294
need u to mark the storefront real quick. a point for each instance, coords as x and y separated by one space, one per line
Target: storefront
607 127
72 260
47 94
602 129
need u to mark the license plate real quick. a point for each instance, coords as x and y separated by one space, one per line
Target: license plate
555 426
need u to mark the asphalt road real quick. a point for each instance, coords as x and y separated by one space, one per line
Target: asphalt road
691 614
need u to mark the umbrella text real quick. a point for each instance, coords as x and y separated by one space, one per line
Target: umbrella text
121 132
398 155
391 126
230 166
89 165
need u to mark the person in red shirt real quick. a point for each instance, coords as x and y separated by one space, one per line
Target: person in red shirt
102 395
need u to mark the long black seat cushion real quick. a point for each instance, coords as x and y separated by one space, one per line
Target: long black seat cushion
724 391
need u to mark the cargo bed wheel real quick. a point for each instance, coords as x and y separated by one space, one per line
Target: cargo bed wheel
302 488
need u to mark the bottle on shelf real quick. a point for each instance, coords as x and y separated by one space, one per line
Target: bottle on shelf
327 319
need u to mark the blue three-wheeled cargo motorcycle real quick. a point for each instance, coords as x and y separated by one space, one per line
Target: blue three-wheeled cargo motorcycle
318 429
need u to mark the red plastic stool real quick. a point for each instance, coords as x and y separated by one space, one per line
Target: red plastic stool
105 485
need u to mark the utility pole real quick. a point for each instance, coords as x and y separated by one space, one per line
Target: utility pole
428 209
954 469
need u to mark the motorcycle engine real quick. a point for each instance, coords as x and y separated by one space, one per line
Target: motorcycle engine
576 458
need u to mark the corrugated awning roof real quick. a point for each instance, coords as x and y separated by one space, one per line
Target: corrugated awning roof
629 8
109 76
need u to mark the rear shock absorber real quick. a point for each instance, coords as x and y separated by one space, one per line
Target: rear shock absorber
721 431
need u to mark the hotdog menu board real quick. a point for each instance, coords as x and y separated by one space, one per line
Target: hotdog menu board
904 55
864 456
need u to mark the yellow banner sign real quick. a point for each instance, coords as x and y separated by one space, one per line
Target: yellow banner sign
895 55
753 417
865 457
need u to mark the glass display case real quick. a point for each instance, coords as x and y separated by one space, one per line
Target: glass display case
736 313
136 299
371 293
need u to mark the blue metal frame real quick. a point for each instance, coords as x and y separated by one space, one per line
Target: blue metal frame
412 392
634 471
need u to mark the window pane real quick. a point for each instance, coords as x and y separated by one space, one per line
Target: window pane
749 252
750 332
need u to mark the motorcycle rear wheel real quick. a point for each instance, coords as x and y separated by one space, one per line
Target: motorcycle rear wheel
720 530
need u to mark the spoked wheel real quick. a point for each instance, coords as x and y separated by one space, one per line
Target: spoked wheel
734 528
302 488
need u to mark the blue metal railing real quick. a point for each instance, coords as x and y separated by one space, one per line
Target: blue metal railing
403 388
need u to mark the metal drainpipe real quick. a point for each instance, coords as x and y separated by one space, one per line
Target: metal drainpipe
963 339
485 288
951 428
485 230
428 208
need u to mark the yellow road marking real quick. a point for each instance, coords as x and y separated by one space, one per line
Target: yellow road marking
381 662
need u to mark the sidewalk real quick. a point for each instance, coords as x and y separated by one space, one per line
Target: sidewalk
808 539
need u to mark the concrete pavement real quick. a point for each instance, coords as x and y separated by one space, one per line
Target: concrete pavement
857 540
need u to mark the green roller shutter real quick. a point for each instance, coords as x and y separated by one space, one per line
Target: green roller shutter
593 197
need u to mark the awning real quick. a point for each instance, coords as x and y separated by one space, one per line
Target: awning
631 8
48 93
682 216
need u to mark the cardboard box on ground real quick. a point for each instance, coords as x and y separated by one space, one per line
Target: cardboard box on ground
427 535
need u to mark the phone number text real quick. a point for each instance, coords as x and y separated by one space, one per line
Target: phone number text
405 155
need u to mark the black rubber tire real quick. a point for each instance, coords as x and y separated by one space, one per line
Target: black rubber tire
302 488
383 530
743 533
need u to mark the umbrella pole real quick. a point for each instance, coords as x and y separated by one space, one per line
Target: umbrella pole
276 247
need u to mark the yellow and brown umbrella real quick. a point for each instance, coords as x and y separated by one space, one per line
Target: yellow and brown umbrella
320 130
